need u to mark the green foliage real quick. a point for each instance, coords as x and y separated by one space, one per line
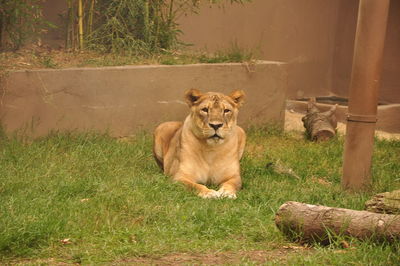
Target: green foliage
140 26
112 202
20 21
48 62
234 54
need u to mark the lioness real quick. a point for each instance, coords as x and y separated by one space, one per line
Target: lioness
206 147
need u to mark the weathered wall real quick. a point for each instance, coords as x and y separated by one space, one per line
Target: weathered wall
121 100
300 32
315 37
345 34
344 45
390 90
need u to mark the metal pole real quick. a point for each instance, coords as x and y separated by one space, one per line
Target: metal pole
363 93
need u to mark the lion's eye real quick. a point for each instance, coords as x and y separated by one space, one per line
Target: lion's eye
205 110
226 111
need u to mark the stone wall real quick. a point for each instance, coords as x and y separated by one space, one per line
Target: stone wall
121 100
315 38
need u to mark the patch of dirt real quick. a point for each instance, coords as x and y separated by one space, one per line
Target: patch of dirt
321 180
39 57
255 151
278 256
49 261
35 57
293 123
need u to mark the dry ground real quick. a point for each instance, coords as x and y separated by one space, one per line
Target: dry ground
277 256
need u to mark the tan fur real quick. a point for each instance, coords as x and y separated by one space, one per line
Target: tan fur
206 147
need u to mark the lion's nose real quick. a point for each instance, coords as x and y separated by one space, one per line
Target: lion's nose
215 126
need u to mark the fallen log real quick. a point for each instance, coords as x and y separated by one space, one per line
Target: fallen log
308 223
319 125
387 202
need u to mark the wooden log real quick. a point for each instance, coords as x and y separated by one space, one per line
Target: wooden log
387 202
308 223
319 125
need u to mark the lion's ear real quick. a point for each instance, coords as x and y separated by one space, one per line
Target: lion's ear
238 97
192 95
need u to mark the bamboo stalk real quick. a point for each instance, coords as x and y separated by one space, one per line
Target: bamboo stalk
73 26
69 25
39 15
156 18
90 20
146 30
2 29
171 9
80 24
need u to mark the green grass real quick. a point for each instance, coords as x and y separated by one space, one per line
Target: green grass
110 199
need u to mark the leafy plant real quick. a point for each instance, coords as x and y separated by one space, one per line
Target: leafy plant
129 26
48 62
234 53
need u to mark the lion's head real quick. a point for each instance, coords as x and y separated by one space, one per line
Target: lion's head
213 114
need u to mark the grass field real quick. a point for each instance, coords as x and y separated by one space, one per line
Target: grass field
89 198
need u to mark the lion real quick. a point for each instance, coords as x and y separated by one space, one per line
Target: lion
206 148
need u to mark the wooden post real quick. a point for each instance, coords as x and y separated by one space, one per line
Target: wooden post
363 93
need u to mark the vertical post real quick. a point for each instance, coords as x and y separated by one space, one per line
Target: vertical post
363 93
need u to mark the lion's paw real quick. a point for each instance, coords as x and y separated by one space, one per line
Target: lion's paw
223 193
210 194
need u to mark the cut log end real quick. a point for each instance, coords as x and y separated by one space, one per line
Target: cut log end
323 135
320 126
387 202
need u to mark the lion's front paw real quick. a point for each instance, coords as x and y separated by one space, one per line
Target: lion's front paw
223 193
209 194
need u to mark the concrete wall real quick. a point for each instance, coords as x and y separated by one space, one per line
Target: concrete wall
346 28
300 32
390 90
315 37
121 100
